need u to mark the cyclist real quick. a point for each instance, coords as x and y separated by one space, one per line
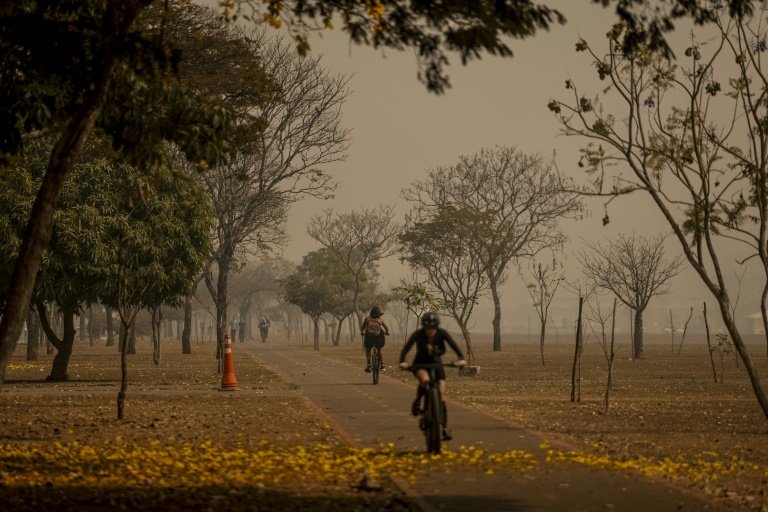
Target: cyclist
430 343
373 329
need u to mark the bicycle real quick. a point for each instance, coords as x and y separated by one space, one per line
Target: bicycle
375 365
431 420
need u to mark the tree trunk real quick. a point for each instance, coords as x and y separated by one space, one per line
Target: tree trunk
125 331
81 326
33 335
337 336
90 326
157 318
63 345
709 345
575 374
496 316
638 328
186 342
672 329
219 296
110 327
468 342
243 328
61 361
132 340
542 335
63 156
611 357
738 342
316 333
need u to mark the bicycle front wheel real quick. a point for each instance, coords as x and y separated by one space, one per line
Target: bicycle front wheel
375 366
432 431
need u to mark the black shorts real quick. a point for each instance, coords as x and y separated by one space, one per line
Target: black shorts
439 371
370 341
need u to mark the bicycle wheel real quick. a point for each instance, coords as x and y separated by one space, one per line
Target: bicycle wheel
433 425
375 366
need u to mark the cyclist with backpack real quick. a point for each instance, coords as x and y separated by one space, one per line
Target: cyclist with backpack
373 329
430 343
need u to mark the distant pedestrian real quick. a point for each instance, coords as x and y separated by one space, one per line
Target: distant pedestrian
233 329
241 331
264 326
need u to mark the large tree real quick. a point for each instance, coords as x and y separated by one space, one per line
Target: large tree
704 173
518 200
93 68
300 138
72 268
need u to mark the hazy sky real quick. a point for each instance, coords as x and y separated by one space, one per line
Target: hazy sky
400 131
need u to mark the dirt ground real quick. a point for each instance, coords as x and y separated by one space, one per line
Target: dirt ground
62 448
664 408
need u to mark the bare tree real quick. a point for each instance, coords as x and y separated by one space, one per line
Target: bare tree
301 135
685 330
359 239
542 287
518 199
597 315
635 270
705 173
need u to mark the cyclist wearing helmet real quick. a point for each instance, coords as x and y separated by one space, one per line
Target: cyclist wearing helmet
430 343
374 329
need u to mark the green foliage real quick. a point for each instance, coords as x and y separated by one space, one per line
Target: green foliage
161 217
439 247
159 237
432 29
323 284
47 80
309 290
416 297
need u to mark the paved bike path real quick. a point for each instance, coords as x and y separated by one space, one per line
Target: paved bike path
368 415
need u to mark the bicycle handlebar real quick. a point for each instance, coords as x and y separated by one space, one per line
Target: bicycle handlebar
426 366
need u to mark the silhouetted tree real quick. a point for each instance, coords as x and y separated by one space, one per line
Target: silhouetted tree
634 269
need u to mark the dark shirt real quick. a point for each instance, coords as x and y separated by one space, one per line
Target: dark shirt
429 351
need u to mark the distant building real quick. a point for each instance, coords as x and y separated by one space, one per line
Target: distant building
756 323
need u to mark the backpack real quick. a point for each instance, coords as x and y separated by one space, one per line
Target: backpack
373 328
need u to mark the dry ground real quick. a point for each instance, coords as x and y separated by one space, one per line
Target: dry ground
183 445
61 444
661 406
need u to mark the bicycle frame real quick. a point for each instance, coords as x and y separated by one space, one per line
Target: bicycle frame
375 365
431 419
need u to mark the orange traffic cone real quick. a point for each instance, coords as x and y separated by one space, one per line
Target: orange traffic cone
228 380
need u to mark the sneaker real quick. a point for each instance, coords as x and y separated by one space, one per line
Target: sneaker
368 368
447 434
416 407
